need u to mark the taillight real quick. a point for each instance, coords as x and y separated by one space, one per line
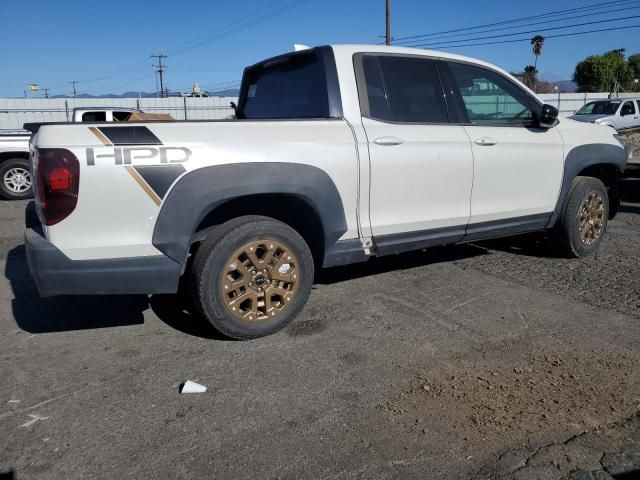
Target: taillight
57 174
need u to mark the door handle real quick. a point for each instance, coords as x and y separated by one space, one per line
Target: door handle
485 141
388 141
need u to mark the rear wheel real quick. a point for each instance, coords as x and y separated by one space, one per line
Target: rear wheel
584 219
15 179
252 276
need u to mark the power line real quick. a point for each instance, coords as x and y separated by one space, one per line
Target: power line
572 17
138 66
227 25
239 28
521 19
527 39
122 84
595 22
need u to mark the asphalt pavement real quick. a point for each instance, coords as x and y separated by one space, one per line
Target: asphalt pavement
492 360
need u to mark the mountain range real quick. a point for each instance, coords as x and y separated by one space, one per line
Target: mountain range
231 92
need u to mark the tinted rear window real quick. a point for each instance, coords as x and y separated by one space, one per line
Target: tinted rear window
404 89
295 88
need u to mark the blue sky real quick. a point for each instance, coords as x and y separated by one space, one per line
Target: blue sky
105 45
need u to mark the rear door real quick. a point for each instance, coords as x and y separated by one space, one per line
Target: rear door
518 167
421 164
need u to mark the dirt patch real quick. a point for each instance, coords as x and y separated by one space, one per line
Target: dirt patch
573 391
632 144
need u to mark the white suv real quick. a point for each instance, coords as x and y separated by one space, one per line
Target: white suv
336 154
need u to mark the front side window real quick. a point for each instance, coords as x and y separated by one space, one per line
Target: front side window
404 89
628 109
489 98
295 87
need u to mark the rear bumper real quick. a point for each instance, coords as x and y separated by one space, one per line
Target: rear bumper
56 274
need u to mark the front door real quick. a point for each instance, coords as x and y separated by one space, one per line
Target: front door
628 115
421 165
518 167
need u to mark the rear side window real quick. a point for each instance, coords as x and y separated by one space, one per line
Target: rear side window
404 89
94 117
295 87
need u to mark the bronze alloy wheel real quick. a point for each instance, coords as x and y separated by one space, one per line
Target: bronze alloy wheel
591 218
259 281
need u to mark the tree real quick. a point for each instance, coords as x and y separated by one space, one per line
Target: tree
634 64
529 76
599 73
537 44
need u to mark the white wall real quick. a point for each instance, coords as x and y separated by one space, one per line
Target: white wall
15 112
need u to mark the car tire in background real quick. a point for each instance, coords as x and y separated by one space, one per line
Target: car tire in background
251 276
583 221
15 179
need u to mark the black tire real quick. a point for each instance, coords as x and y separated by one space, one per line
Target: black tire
9 190
219 249
568 229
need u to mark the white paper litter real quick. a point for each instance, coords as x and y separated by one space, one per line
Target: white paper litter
192 387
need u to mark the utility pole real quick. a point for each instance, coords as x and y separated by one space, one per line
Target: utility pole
75 92
46 92
161 68
387 37
616 84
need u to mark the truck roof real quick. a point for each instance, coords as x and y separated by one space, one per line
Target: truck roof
351 49
113 109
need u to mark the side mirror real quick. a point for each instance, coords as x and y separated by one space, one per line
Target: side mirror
548 116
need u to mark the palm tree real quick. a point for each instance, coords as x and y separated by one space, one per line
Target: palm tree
537 43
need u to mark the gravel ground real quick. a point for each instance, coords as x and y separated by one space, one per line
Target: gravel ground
632 140
492 360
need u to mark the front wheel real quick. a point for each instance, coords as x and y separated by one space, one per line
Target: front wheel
251 276
584 219
15 179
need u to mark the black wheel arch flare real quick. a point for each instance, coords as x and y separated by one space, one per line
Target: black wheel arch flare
582 157
200 191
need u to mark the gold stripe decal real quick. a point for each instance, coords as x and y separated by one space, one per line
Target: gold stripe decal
145 186
101 137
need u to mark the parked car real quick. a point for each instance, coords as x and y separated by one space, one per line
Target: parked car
619 113
15 170
337 154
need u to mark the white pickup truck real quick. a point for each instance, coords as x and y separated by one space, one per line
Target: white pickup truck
618 113
336 154
15 171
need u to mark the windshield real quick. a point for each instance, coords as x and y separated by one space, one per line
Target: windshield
602 107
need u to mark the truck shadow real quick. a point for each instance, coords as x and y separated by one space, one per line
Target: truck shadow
178 313
34 314
630 190
403 261
57 314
